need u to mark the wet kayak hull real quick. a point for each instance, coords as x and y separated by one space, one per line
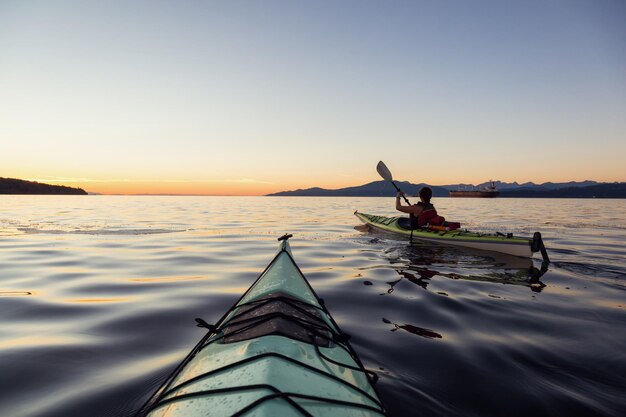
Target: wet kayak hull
516 246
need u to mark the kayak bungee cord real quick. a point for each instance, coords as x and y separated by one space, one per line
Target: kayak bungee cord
339 338
286 395
274 314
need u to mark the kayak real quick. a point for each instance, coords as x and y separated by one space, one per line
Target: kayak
509 244
276 352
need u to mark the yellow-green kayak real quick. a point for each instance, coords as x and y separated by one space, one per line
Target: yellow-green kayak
512 245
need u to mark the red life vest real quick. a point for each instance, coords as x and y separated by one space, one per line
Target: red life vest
429 215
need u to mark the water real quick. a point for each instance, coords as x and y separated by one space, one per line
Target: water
98 296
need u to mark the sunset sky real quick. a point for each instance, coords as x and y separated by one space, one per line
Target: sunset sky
252 97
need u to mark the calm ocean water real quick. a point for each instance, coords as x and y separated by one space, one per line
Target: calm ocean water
98 296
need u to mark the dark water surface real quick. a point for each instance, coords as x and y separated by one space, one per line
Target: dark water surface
98 296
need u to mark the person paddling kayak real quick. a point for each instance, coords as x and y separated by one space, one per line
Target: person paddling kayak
422 213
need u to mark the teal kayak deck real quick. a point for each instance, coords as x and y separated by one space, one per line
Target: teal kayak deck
276 352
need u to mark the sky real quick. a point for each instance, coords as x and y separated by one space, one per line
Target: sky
253 97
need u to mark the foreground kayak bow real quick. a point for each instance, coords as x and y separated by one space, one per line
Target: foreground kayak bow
512 245
276 352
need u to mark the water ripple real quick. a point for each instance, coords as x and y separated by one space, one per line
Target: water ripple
98 297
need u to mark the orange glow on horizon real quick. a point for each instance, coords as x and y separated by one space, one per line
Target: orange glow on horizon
142 187
180 188
241 187
252 187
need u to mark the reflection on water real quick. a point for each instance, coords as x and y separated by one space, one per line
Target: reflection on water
98 296
166 279
419 264
100 300
14 293
419 331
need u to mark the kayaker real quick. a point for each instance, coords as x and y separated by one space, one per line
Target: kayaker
422 213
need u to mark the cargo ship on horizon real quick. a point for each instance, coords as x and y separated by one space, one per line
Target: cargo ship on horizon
485 192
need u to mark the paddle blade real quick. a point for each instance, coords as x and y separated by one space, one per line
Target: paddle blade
383 171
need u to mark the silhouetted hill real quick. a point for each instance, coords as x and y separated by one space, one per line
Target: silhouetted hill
15 186
373 189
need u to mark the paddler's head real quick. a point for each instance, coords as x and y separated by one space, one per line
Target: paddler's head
426 194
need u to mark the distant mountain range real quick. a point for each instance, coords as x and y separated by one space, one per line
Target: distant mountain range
604 190
502 186
582 189
373 189
15 186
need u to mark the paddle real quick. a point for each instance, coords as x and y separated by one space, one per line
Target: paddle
384 172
